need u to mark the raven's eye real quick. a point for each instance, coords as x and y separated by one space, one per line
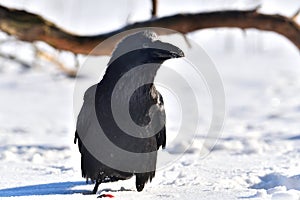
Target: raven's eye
145 45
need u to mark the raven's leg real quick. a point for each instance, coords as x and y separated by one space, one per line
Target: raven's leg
98 182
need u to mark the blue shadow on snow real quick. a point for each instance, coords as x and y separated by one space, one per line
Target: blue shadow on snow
43 189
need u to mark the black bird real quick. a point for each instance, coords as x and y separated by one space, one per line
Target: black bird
126 84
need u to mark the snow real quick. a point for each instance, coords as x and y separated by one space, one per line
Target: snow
257 156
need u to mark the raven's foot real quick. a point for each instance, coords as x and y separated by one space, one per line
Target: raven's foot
98 182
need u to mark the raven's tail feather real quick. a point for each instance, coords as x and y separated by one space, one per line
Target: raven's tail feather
143 178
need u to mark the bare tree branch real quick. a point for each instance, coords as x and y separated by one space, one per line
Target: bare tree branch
15 59
29 27
47 56
154 8
296 14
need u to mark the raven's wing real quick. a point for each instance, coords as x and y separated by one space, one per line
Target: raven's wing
159 117
161 136
90 166
146 108
85 114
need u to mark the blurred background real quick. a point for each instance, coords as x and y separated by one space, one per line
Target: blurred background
257 156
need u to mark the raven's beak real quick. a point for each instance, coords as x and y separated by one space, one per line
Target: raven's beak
168 51
178 54
175 52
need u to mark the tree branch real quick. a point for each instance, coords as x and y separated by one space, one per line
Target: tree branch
15 59
154 8
30 27
47 56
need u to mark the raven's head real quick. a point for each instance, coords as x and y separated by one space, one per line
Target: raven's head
149 48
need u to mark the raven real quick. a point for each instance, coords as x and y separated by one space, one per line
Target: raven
145 104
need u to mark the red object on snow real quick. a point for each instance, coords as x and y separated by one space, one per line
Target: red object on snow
106 195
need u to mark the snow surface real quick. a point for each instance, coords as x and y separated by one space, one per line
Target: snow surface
257 156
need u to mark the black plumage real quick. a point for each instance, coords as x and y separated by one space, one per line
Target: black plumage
145 107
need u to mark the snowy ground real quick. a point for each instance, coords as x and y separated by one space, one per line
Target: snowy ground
257 157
